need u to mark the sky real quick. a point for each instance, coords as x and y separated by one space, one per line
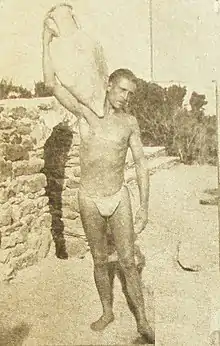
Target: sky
186 36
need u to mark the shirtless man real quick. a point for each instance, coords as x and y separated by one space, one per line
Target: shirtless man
103 196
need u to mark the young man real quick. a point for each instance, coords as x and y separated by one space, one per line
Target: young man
103 196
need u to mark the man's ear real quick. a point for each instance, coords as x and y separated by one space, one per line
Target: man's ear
109 86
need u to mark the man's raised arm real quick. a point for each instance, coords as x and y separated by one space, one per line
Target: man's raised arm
60 92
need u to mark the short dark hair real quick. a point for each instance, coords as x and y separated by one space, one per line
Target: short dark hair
122 73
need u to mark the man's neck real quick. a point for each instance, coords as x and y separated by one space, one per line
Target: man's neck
109 110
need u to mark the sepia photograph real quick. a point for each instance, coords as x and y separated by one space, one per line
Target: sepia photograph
110 173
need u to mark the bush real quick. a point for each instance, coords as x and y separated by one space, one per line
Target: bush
195 141
9 90
164 121
41 90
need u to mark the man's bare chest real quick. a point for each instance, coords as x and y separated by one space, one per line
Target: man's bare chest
116 132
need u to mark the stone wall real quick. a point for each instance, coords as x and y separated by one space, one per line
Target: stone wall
39 177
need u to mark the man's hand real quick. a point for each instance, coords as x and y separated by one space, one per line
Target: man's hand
49 30
141 220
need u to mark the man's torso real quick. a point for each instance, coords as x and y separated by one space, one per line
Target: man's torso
103 152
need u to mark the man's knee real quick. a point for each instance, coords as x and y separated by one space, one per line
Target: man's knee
127 264
100 260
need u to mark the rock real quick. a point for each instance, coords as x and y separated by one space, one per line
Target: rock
73 161
38 152
25 229
72 183
18 113
73 152
73 227
23 126
26 220
35 195
15 198
3 149
26 259
8 230
5 122
77 171
209 200
5 255
16 213
41 222
33 114
5 170
45 107
28 184
6 272
45 244
15 138
73 171
10 241
76 247
41 202
10 136
44 211
70 201
28 206
16 152
68 213
27 143
33 241
6 214
4 195
27 167
76 139
189 256
19 250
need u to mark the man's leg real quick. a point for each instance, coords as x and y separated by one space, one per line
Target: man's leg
95 229
112 268
121 223
121 276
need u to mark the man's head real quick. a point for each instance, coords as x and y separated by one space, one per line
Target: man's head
121 85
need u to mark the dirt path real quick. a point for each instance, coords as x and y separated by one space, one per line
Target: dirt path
57 300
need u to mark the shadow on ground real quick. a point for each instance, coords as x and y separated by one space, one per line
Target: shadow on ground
56 149
14 336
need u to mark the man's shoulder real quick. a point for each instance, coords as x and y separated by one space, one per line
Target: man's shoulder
129 117
132 120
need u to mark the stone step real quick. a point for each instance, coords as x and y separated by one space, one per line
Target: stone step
165 162
154 165
28 103
151 152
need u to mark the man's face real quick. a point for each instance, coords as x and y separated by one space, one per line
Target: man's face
119 91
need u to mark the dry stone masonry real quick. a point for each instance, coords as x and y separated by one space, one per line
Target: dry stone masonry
39 177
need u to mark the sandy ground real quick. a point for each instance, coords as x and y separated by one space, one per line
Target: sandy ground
54 303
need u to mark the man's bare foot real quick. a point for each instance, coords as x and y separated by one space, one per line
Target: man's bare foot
147 332
102 322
